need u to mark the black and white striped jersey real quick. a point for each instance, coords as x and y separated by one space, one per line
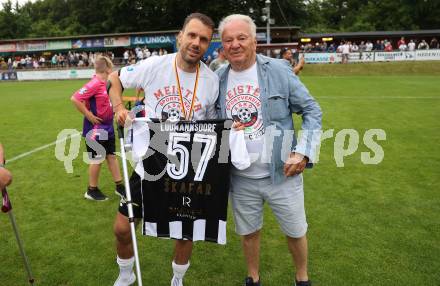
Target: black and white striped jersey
186 180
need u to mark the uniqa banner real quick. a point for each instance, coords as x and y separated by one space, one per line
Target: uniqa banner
149 40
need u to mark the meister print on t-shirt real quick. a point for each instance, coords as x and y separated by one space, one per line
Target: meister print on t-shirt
168 102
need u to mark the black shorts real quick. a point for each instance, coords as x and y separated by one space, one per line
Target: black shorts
109 147
136 197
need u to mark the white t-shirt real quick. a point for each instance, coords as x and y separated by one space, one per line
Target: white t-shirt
156 76
369 47
346 49
243 103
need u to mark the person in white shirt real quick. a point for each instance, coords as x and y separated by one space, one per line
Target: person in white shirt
261 93
411 46
176 86
346 48
369 46
403 47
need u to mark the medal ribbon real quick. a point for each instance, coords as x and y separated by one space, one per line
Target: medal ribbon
182 105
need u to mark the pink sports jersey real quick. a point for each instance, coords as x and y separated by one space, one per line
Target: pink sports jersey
94 95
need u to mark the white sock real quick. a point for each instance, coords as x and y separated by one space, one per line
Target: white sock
179 270
125 267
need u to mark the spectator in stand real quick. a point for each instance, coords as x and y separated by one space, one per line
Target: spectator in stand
377 46
22 63
139 55
3 64
411 46
331 48
423 45
434 44
219 61
354 48
9 64
368 46
147 53
42 61
346 48
388 47
28 62
339 48
126 57
54 60
362 47
402 46
401 42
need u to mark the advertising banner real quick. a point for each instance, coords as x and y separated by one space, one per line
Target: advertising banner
117 41
55 74
31 46
9 75
360 57
4 48
322 58
427 55
88 43
394 56
153 40
59 45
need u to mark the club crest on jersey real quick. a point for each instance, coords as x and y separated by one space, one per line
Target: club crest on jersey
247 115
82 90
243 104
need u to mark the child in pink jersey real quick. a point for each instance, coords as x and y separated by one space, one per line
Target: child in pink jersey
93 102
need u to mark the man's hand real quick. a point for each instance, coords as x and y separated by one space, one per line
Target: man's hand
5 178
295 164
237 126
93 119
121 116
299 66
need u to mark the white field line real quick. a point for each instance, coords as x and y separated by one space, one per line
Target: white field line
41 148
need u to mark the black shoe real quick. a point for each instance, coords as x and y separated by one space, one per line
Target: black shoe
95 195
303 283
250 282
120 191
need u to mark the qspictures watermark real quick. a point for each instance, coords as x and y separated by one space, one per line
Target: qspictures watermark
346 143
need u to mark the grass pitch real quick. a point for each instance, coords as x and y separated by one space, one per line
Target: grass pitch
368 224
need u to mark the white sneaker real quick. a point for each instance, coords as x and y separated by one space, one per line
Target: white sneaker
124 281
176 281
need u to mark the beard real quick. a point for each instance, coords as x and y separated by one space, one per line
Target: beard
189 59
